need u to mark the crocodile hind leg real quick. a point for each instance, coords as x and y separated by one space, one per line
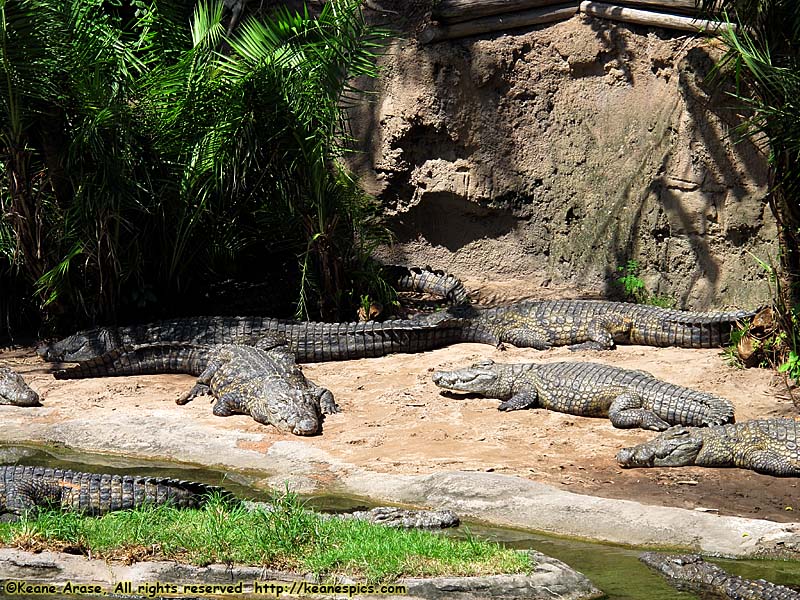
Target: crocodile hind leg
31 495
527 399
626 412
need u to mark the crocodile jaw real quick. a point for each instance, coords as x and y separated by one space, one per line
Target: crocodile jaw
481 378
677 447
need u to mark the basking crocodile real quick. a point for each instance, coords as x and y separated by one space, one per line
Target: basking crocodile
541 324
597 324
261 381
689 572
628 398
32 488
768 446
14 390
309 341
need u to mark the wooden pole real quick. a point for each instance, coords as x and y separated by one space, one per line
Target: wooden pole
499 23
679 6
653 19
456 11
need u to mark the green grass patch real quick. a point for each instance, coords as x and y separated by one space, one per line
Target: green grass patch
289 537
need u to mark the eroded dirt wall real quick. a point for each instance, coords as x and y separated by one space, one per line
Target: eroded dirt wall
558 153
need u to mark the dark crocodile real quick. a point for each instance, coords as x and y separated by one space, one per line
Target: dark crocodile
14 390
309 341
263 382
629 398
593 324
32 488
768 446
428 281
689 572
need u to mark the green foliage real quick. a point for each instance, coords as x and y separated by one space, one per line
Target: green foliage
143 162
635 290
632 285
283 536
763 60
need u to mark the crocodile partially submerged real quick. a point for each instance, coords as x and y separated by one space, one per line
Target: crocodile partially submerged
262 381
628 398
768 446
581 324
32 488
689 572
14 390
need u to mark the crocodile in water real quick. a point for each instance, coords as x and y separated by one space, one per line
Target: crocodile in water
629 398
593 324
33 488
689 572
14 390
768 446
261 381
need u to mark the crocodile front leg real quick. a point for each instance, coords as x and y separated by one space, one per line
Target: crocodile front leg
519 401
203 385
327 404
601 330
626 412
768 462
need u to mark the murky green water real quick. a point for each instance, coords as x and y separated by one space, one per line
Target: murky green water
615 570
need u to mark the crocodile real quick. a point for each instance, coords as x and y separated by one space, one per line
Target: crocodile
32 488
541 324
14 390
262 381
689 572
309 341
628 398
388 516
768 446
428 281
597 324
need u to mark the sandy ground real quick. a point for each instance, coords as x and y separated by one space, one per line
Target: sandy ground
394 420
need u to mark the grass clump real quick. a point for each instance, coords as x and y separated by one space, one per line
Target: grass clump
285 537
635 290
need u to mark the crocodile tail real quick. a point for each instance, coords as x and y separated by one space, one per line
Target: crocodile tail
187 494
429 281
145 359
654 326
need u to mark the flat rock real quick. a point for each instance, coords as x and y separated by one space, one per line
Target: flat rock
550 579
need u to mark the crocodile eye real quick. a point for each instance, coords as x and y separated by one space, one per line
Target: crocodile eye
484 363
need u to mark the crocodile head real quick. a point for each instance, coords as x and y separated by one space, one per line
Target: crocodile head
14 390
84 345
485 378
678 446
